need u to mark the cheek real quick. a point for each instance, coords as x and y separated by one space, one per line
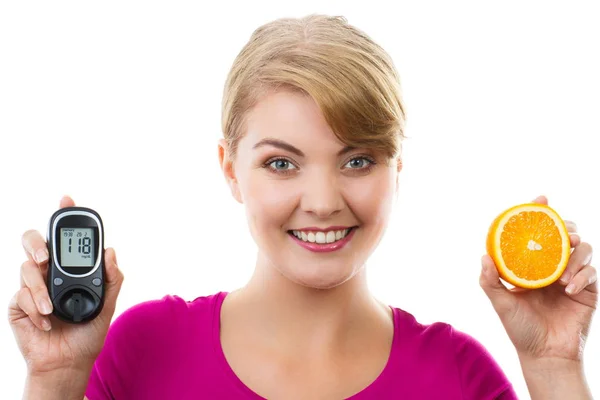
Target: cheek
268 201
371 199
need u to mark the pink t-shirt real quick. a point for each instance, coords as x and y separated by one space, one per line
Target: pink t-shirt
170 349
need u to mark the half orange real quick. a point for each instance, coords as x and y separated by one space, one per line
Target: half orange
530 245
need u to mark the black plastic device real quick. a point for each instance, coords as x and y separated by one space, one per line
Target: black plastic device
76 270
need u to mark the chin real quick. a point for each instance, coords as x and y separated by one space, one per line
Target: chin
319 277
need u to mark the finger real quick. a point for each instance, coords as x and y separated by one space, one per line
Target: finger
22 304
35 246
33 279
575 240
586 278
67 201
581 256
571 226
541 200
518 289
501 298
36 250
114 280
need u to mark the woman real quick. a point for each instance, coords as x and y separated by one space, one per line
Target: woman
313 122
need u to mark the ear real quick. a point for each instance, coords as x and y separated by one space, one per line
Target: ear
228 171
399 168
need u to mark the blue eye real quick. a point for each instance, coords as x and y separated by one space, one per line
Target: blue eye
281 165
358 163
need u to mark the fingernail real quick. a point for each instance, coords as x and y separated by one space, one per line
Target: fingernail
46 324
45 307
571 288
41 255
565 279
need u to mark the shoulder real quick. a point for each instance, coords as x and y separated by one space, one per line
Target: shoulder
430 345
440 335
172 304
170 332
445 336
170 319
166 310
453 352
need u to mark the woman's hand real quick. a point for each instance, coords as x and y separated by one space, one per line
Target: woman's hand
551 323
58 345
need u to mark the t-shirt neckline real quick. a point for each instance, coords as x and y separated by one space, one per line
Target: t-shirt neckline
226 368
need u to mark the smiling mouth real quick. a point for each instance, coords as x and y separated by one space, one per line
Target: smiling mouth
320 237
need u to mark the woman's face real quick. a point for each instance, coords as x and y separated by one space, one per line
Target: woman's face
315 208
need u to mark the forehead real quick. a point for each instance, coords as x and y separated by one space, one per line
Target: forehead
293 117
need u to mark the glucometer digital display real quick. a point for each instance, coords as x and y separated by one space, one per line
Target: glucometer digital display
76 267
77 247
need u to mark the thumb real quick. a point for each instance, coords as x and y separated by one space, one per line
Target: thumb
113 281
541 200
501 298
66 201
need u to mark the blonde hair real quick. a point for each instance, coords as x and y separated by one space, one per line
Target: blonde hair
351 78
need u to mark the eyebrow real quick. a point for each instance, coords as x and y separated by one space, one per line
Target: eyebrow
280 144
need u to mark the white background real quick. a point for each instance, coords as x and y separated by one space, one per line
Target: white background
118 105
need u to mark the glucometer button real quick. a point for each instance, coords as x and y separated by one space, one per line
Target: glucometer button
58 281
96 281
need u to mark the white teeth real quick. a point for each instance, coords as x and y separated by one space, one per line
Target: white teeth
321 237
330 237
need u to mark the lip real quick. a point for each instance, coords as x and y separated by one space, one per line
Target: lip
326 247
330 228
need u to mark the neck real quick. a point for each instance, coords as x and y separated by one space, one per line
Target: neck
276 307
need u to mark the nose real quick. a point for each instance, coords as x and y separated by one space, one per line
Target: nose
321 196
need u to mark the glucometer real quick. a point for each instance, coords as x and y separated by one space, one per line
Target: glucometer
76 267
